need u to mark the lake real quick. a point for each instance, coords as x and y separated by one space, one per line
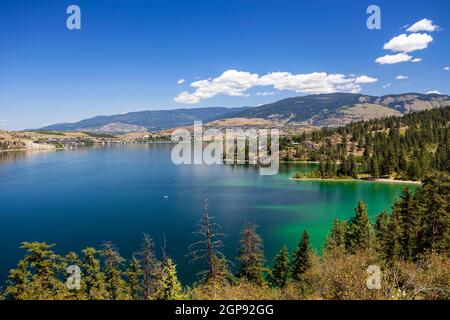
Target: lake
79 198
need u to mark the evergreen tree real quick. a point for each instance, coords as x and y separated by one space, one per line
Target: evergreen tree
115 284
359 230
36 276
18 282
302 257
414 171
335 241
134 277
374 170
381 231
72 259
352 166
393 249
409 220
251 255
434 203
169 287
150 267
93 279
281 269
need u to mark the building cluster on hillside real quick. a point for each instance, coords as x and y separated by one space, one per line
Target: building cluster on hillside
75 142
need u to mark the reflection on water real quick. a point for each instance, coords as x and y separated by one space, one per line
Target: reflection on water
11 156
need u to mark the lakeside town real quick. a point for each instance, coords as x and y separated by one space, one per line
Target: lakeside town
53 140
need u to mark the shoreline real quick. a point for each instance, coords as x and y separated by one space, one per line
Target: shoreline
352 180
301 162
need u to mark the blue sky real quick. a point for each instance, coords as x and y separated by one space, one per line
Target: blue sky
130 54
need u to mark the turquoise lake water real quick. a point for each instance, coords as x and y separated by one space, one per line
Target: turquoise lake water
80 198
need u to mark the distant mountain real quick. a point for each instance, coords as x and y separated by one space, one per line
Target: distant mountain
338 109
146 120
334 109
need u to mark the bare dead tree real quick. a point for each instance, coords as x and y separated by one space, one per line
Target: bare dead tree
206 250
164 249
150 266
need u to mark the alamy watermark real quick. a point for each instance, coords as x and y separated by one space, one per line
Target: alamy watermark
234 146
73 21
374 279
373 22
74 279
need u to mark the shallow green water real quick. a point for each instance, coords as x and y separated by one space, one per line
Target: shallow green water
83 197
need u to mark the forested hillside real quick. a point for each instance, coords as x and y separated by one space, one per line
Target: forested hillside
405 147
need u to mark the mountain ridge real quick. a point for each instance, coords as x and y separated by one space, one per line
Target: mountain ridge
321 110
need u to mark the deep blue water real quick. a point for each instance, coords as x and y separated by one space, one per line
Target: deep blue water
80 198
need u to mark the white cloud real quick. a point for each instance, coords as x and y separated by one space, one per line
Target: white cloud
365 79
386 85
423 25
394 58
186 97
408 43
231 82
265 93
181 81
401 77
416 60
236 83
446 69
433 92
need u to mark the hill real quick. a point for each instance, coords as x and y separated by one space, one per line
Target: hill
338 109
321 110
146 120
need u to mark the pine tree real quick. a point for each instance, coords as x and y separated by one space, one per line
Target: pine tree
321 169
353 167
389 163
150 267
381 231
302 257
169 287
280 271
134 277
434 202
72 259
115 284
388 234
414 171
409 220
39 272
374 170
359 230
18 282
335 241
251 255
393 248
92 277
